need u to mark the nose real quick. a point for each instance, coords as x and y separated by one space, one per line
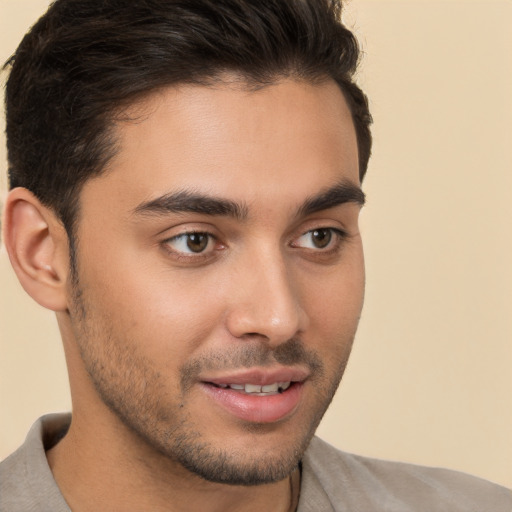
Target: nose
266 302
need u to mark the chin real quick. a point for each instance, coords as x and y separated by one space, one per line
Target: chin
242 468
254 455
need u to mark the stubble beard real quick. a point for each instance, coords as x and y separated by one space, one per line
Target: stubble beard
134 391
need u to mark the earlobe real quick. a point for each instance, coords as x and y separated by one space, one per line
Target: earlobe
37 246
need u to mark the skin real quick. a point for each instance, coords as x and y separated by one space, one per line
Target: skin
148 319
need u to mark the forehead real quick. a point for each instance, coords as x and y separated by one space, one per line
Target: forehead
276 141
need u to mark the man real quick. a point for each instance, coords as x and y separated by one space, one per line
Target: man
185 189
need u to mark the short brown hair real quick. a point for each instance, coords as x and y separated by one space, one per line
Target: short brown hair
84 59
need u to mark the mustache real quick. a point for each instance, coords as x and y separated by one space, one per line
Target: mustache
250 354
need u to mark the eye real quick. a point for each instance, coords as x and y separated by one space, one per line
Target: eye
321 238
191 243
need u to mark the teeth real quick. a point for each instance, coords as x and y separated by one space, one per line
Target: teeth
277 387
283 386
252 388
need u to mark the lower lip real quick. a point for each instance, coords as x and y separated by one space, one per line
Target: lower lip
256 409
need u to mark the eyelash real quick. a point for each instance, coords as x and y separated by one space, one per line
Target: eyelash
181 255
337 237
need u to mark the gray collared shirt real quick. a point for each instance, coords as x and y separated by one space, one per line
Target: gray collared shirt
331 481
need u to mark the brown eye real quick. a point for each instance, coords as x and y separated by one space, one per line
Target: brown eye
191 243
321 238
197 242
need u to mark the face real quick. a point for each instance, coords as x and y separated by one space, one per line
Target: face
220 274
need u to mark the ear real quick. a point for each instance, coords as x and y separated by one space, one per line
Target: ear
37 244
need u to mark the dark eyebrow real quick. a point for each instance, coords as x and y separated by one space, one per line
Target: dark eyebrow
343 192
192 202
185 201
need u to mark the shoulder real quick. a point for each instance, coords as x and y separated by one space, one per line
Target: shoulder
26 481
362 483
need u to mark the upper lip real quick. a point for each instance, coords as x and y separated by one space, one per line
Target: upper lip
259 376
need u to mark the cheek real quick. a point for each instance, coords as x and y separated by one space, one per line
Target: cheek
170 313
162 314
335 300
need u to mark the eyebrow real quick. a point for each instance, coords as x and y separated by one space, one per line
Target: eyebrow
187 201
341 193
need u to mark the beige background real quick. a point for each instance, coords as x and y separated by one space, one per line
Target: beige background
429 380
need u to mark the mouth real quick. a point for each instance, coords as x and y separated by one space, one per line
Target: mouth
257 396
256 389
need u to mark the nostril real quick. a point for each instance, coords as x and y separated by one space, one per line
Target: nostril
274 317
